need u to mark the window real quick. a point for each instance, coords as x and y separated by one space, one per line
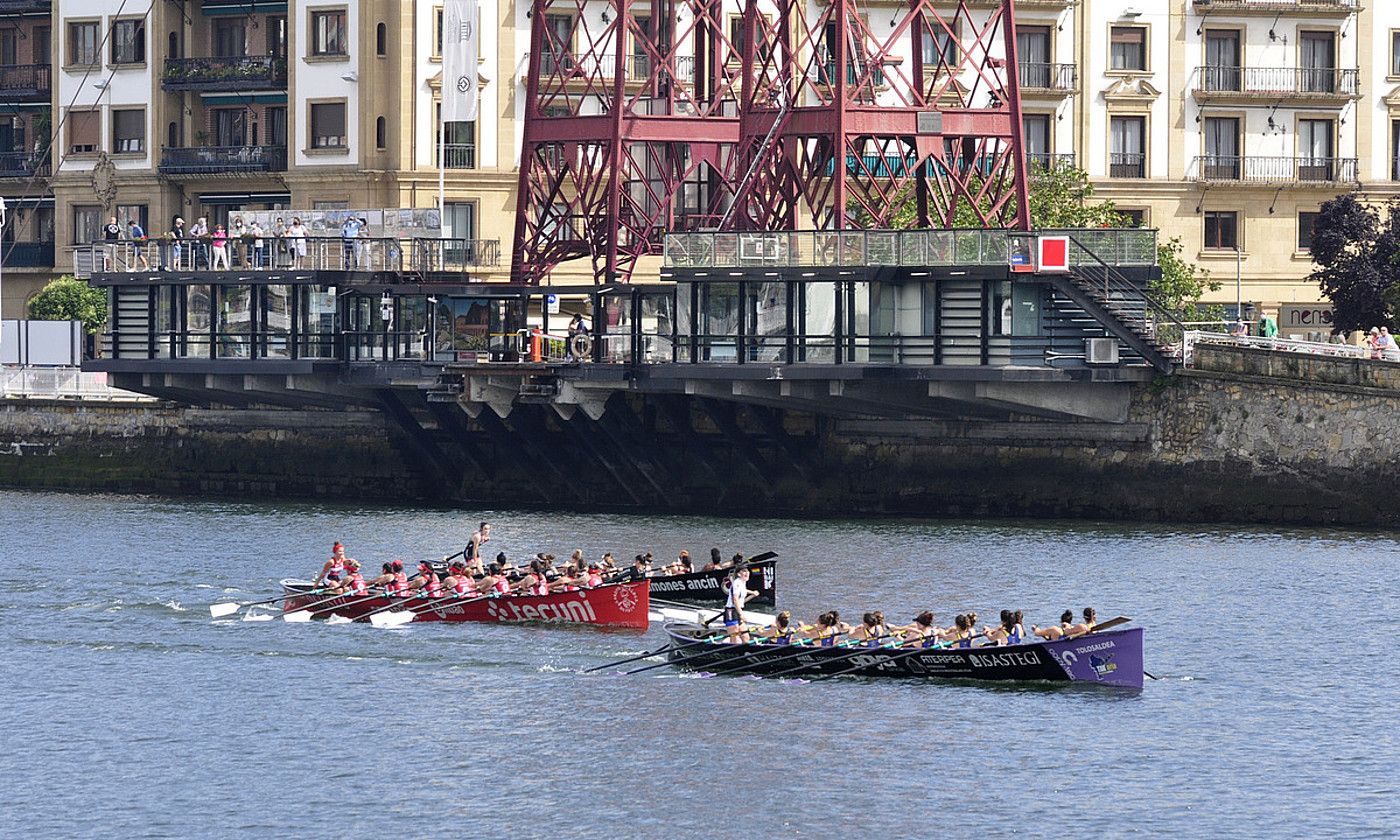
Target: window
87 223
230 127
328 34
1035 134
275 118
1222 230
328 125
277 36
1395 150
1222 70
381 40
1127 158
1395 53
9 47
460 221
1133 218
437 31
1128 48
559 44
82 43
41 37
1222 161
84 131
639 63
138 213
1033 53
1317 53
381 133
458 144
129 42
128 131
1315 160
230 38
1306 220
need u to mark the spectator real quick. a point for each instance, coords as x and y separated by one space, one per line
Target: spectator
362 245
199 248
279 240
220 241
111 233
137 234
1386 347
349 232
177 238
1240 328
239 245
1373 342
256 232
296 242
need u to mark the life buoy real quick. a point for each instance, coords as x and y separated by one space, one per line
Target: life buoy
581 346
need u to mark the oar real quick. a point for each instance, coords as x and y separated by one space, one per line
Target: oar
857 649
307 612
395 619
848 643
743 651
651 653
231 607
897 657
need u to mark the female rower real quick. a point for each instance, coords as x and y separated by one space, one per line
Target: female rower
871 629
921 632
426 582
355 584
1091 620
333 570
781 631
1057 632
534 582
829 627
385 580
459 582
400 580
999 633
495 582
960 634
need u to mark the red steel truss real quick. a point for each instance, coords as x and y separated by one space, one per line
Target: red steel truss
631 121
927 109
646 116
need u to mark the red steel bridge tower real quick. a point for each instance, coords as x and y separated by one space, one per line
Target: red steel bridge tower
858 111
649 116
631 125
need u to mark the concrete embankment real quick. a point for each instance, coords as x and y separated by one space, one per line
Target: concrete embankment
1246 436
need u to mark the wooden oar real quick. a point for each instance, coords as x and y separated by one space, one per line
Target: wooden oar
395 619
309 611
231 607
648 654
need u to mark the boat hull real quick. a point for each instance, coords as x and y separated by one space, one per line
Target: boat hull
623 605
712 588
1111 658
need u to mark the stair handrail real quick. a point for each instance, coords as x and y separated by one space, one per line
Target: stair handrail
1125 282
784 102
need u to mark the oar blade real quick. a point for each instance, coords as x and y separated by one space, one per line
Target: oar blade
394 618
221 610
297 617
339 619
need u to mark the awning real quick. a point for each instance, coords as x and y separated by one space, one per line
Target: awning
243 7
244 98
28 202
245 198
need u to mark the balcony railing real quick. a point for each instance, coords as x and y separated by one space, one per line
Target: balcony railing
1274 82
26 7
1127 165
914 248
282 253
637 68
212 160
1252 169
1042 162
1270 7
457 156
21 82
1056 77
27 254
24 165
232 73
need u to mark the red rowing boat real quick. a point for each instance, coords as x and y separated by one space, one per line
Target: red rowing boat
613 605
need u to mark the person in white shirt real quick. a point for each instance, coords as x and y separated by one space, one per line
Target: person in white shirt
739 594
296 241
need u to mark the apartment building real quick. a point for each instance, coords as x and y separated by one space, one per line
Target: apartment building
1224 123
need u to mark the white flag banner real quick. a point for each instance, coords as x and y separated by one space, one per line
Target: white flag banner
460 48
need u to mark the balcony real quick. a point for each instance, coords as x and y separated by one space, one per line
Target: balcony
24 165
1041 163
26 7
457 156
1272 171
217 160
1269 86
27 254
25 83
1127 165
1055 79
233 73
1301 8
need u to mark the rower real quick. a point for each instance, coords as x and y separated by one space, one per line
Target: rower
960 634
496 582
594 576
920 631
640 569
739 594
400 584
829 627
479 537
715 561
781 631
458 582
355 584
1053 633
535 582
385 580
503 562
1090 620
333 569
871 629
683 566
426 581
999 633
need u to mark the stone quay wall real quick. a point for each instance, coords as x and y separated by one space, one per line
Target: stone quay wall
1247 436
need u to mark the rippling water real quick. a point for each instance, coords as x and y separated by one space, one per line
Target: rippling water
128 711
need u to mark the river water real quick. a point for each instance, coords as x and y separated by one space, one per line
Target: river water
127 711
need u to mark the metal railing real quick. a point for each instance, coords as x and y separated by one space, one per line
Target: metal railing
1192 338
1127 165
917 248
210 160
636 67
1042 162
457 156
1254 169
25 81
1277 81
63 384
1265 6
271 252
241 73
1045 76
24 164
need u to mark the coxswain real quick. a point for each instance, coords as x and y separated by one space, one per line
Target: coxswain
1091 619
739 594
781 631
1056 632
426 581
333 570
479 537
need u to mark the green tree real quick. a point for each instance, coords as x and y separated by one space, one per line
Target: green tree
1182 283
70 299
1357 254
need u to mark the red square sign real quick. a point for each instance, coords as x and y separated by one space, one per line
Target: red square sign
1052 254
